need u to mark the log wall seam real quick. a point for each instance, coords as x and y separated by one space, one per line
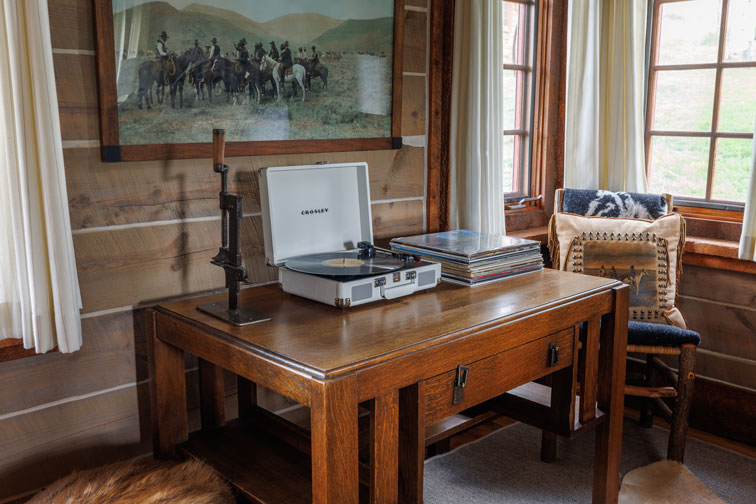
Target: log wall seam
70 399
716 302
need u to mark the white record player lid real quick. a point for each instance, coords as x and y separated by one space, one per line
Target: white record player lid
313 209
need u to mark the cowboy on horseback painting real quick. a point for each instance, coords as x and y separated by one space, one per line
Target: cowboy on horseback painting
161 49
215 50
231 64
286 62
608 259
273 51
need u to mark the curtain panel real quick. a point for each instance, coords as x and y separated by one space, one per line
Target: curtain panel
476 151
604 103
747 248
39 290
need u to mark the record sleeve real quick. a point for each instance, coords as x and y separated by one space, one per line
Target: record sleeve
469 245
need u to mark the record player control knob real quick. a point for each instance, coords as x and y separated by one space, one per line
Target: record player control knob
411 275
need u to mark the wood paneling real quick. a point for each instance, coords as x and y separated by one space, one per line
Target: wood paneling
400 218
142 265
107 359
416 3
415 35
719 285
76 83
413 106
71 24
41 446
726 368
724 410
725 329
37 447
393 173
104 194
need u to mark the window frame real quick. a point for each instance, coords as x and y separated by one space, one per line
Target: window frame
547 138
727 210
525 82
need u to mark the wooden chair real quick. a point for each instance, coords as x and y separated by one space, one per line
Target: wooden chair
654 340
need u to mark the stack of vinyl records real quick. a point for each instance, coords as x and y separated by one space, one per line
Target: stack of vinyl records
472 258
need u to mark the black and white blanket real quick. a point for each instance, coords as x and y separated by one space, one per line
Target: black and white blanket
590 203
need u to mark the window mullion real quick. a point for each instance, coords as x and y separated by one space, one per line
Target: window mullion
717 98
652 74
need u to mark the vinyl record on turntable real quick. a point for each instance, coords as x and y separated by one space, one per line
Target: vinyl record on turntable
346 263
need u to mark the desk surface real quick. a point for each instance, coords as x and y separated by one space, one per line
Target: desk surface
325 340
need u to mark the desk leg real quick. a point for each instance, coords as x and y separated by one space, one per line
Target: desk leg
334 411
411 443
611 383
169 423
384 449
212 396
246 393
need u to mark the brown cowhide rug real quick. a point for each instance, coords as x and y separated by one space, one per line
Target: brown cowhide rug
665 482
141 481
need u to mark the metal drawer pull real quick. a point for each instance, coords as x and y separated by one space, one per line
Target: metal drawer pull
553 357
460 381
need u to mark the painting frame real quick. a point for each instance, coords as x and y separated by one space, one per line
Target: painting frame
113 151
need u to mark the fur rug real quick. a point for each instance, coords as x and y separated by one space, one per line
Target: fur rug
141 481
665 482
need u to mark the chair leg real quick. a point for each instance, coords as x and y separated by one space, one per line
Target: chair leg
548 446
679 428
647 405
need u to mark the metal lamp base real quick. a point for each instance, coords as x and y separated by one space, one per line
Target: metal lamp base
240 317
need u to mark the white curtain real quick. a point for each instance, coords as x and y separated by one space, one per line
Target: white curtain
604 104
476 198
748 237
39 291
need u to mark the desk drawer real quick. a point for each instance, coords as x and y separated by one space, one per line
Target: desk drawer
492 376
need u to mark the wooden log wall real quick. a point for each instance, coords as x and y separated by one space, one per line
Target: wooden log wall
145 232
721 306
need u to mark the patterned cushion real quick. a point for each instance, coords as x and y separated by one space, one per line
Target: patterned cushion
590 203
644 333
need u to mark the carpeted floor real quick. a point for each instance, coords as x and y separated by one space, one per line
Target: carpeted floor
505 467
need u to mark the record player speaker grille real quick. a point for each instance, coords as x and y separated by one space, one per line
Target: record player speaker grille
426 278
360 292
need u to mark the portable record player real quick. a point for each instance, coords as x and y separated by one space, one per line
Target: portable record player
318 231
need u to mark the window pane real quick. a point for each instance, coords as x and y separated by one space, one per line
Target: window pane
510 98
689 32
740 44
679 166
513 21
737 106
732 169
509 164
684 100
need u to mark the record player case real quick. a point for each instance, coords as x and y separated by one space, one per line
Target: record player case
325 208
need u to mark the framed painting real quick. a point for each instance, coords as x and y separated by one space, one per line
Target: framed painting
281 77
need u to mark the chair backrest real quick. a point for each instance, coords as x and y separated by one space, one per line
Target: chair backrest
655 205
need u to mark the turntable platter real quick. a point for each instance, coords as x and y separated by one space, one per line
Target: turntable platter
346 263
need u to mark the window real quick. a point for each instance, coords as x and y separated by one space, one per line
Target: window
518 27
701 100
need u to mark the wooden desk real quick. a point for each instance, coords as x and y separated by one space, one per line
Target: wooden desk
398 358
